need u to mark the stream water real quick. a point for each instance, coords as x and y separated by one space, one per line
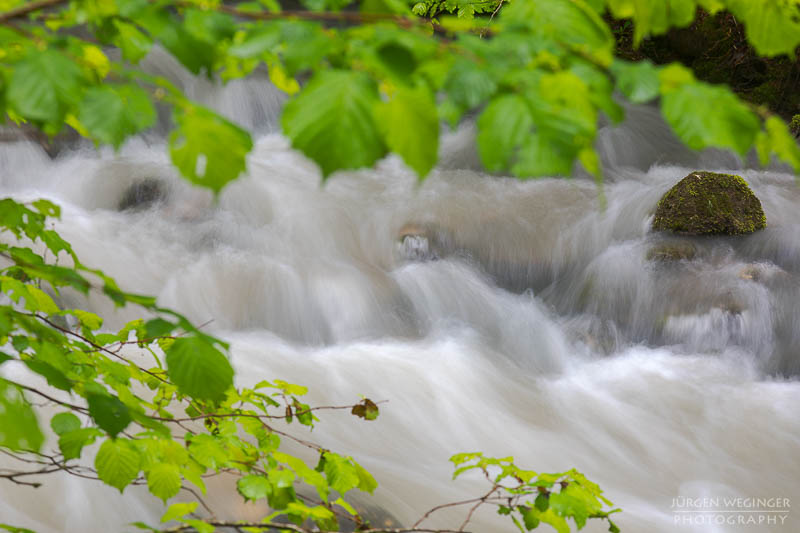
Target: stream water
517 318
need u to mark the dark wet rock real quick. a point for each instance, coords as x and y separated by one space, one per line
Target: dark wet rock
707 203
672 251
142 195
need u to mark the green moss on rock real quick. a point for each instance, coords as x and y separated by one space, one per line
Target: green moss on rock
707 203
794 125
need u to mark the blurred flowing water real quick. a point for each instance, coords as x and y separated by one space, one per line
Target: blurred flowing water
533 323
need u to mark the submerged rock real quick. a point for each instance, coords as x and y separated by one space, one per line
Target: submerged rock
707 203
672 251
142 195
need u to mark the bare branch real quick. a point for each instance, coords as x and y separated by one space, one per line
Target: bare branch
27 9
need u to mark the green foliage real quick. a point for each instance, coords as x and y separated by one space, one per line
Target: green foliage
531 499
171 425
703 114
380 83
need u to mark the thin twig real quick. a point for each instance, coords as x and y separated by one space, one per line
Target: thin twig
26 9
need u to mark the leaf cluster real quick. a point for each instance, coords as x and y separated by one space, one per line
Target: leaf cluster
380 80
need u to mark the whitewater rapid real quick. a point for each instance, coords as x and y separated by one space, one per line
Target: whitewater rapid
542 330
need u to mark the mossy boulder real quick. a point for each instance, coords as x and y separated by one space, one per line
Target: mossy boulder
707 203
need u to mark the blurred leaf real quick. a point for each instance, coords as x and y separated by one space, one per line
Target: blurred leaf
254 487
178 510
19 429
133 43
502 127
410 128
773 27
639 81
331 121
112 113
703 116
208 150
44 86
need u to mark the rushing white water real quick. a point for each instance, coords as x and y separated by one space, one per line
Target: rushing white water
541 330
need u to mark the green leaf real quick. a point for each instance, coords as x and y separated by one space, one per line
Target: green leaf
571 22
110 414
306 473
133 43
55 378
72 442
541 155
703 116
195 54
64 423
158 327
199 369
469 85
773 27
44 86
178 510
397 59
200 526
542 501
502 127
257 41
208 150
331 121
574 502
639 81
366 482
410 127
208 451
346 506
653 16
341 473
117 463
557 522
282 493
87 319
529 517
254 487
164 480
112 113
19 429
775 138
